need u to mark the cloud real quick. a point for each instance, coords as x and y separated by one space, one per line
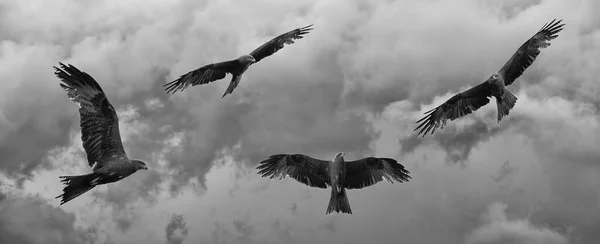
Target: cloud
356 83
32 220
176 230
458 143
246 231
123 224
504 171
130 62
32 125
499 229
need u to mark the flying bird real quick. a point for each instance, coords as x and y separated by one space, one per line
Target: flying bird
235 67
99 133
470 100
337 173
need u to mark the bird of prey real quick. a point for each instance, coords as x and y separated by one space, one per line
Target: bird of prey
470 100
99 133
337 173
235 67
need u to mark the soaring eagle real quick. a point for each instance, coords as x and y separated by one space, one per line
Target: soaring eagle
470 100
337 173
99 133
236 67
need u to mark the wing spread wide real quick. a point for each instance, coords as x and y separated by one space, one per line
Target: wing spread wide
273 45
369 171
307 170
457 106
526 54
98 119
202 75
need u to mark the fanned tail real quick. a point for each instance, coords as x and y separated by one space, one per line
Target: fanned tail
339 202
75 186
505 103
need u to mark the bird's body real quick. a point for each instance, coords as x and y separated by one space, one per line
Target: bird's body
235 67
337 173
470 100
337 176
99 133
496 85
244 63
114 169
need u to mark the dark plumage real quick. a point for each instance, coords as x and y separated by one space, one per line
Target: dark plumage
99 134
338 174
470 100
236 67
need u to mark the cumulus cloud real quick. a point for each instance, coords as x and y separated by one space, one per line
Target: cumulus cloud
32 220
356 83
176 230
504 171
458 142
132 55
499 229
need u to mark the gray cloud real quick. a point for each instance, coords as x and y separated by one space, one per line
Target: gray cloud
245 230
143 186
176 230
317 96
320 126
34 125
123 224
499 229
458 142
32 220
503 172
219 233
131 63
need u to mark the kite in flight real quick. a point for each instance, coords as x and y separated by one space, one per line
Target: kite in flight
470 100
338 174
99 133
235 67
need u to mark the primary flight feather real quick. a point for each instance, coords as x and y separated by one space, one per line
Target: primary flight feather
495 86
337 173
235 67
99 133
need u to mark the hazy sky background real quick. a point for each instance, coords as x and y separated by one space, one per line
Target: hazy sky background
357 83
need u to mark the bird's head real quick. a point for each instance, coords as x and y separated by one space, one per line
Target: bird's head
247 59
139 165
494 77
339 157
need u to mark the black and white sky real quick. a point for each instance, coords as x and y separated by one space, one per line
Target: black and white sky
357 83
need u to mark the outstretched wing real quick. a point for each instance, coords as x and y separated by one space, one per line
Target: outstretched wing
526 54
368 171
457 106
307 170
277 43
203 75
98 119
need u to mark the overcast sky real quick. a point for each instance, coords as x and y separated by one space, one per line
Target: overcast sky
357 83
